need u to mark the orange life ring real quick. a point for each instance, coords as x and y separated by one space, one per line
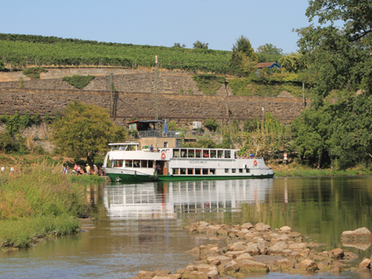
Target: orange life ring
163 155
255 162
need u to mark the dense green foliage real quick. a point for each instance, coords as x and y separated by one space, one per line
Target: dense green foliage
78 81
11 141
269 53
84 131
208 83
243 58
337 133
211 124
200 45
2 68
23 49
34 73
270 85
13 123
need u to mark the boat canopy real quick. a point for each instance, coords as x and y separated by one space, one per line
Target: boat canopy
126 146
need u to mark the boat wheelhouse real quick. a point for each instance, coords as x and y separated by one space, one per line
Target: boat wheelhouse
126 162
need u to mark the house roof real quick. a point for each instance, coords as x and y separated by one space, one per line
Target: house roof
267 65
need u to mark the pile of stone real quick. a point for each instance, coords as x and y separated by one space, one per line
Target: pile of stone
258 249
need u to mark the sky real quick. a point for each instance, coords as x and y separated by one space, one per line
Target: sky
160 23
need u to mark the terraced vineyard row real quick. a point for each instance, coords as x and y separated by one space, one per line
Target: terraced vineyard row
23 50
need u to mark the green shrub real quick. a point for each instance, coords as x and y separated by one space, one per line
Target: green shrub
34 73
208 83
211 124
78 81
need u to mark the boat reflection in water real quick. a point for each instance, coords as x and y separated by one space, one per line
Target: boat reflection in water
168 200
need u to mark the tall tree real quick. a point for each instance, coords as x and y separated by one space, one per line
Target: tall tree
269 53
84 131
340 56
243 55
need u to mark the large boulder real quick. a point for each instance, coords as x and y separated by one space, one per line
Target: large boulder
247 226
337 253
361 232
365 264
248 266
309 265
261 227
286 229
278 247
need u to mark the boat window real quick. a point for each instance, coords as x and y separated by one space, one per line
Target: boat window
122 148
226 170
175 171
198 171
198 153
190 171
114 148
247 171
206 153
119 163
183 153
143 163
176 153
212 171
191 153
128 163
131 147
205 171
233 170
182 171
150 164
227 154
113 164
220 153
213 153
136 163
240 170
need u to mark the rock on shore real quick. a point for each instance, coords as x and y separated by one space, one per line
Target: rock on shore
256 249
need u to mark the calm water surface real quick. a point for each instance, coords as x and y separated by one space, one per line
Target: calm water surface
141 226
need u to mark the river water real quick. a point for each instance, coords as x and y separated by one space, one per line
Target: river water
141 226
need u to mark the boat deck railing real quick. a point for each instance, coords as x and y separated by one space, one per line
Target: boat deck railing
159 134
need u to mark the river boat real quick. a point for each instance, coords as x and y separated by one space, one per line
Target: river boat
126 162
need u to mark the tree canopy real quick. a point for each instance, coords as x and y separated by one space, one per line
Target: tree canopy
337 131
269 53
199 45
243 58
84 131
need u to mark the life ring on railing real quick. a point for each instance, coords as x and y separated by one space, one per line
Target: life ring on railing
162 155
255 162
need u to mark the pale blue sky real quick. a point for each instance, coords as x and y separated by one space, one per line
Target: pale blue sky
162 23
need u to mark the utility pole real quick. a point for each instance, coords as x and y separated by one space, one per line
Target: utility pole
111 94
156 92
303 94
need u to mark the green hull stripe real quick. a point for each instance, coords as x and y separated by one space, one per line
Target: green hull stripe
149 178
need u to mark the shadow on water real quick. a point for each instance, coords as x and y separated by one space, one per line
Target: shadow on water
141 226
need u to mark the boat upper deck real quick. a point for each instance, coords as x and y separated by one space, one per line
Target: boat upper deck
181 153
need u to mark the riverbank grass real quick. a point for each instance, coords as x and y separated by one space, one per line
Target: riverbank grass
299 171
37 202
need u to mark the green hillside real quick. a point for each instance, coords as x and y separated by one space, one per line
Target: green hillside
23 50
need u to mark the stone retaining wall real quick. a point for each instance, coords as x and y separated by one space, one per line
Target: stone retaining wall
142 105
